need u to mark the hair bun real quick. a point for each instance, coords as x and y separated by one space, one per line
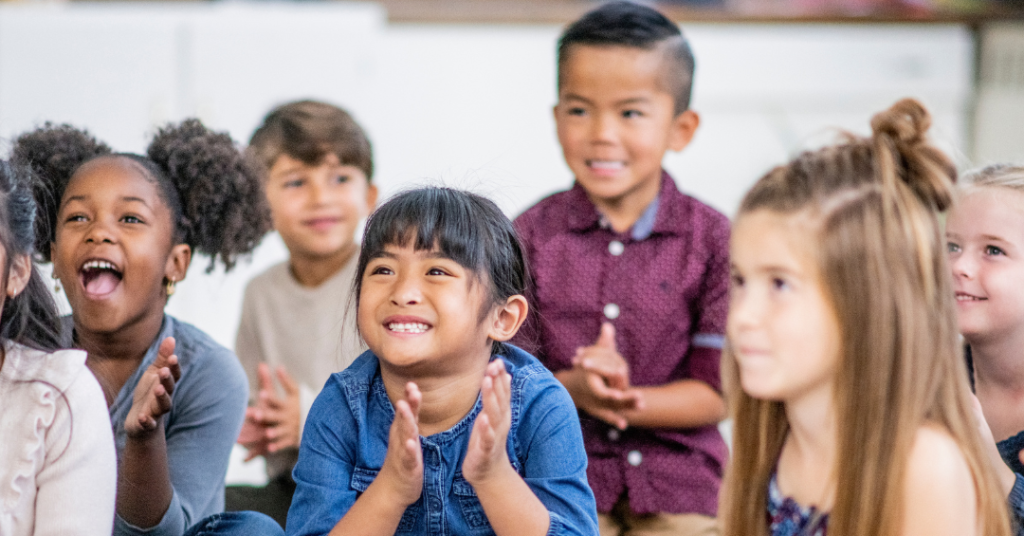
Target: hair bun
906 123
902 152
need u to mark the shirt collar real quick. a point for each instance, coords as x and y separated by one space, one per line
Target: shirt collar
661 216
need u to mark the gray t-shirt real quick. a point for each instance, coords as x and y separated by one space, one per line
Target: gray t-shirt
208 406
311 332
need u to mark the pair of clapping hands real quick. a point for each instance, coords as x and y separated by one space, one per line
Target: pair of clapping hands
274 423
599 381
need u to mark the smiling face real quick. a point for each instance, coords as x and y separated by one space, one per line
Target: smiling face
113 246
985 233
420 313
616 120
782 330
316 209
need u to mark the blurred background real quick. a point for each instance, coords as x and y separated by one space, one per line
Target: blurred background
460 91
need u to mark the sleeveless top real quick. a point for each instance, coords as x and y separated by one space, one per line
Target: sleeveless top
786 517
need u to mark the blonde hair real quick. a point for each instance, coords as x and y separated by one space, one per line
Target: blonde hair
873 205
996 175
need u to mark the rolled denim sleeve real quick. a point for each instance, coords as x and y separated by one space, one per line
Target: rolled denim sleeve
323 493
550 443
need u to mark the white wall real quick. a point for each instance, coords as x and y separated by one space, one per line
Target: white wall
466 104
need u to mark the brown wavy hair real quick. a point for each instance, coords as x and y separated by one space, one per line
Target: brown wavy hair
874 205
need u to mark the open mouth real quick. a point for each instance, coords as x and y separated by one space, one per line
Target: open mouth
965 297
606 166
99 277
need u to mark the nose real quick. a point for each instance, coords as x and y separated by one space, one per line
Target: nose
406 291
317 192
964 265
99 233
604 128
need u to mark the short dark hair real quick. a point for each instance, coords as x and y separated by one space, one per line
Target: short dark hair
464 227
308 131
628 24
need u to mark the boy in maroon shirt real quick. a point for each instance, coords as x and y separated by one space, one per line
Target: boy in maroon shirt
631 277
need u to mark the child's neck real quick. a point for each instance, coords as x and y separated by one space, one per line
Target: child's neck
623 212
999 362
446 400
114 356
809 451
312 271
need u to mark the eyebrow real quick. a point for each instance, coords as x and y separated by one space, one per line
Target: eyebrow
127 198
624 102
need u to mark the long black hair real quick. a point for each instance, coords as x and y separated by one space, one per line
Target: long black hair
30 318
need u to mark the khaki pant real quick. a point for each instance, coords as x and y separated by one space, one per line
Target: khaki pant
621 521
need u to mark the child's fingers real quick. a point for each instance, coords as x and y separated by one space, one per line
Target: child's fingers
167 380
610 417
600 389
175 367
265 378
289 384
161 400
269 399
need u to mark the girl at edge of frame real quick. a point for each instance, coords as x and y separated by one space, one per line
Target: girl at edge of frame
985 237
846 384
56 442
121 230
440 414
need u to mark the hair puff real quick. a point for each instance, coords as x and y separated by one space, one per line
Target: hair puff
224 212
53 152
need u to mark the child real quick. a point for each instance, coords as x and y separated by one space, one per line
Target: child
985 233
318 167
120 230
631 276
854 414
56 451
440 428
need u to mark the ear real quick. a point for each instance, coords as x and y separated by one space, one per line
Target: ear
17 279
371 197
684 126
507 318
177 263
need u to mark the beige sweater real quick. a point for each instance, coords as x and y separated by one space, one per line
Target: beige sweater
311 332
58 468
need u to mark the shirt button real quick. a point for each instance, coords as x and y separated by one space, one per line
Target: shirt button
616 248
611 311
634 458
613 434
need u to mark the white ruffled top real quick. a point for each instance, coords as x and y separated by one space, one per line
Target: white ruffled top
58 467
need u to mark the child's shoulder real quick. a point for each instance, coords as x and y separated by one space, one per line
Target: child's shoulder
554 213
58 369
938 478
195 348
529 375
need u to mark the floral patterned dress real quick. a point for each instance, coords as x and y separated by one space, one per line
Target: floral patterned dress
786 517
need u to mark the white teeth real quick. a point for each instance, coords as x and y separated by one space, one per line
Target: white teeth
408 328
606 164
964 297
98 265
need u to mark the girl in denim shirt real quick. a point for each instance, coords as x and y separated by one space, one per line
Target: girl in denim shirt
846 384
441 427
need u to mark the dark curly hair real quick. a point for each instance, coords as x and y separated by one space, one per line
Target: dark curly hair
212 189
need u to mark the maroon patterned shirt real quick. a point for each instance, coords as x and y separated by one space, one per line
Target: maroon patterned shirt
665 286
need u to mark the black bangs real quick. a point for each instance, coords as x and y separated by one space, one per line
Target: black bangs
466 228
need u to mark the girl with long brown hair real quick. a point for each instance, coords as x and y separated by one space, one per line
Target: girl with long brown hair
844 377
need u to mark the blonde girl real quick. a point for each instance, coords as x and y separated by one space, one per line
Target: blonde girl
846 382
985 238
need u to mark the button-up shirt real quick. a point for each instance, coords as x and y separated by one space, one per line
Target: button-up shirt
664 284
346 439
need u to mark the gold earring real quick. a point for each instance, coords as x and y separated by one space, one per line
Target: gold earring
169 287
56 283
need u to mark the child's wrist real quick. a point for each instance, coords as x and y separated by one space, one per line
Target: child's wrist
496 480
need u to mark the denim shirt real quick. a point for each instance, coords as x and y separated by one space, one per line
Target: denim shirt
346 438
